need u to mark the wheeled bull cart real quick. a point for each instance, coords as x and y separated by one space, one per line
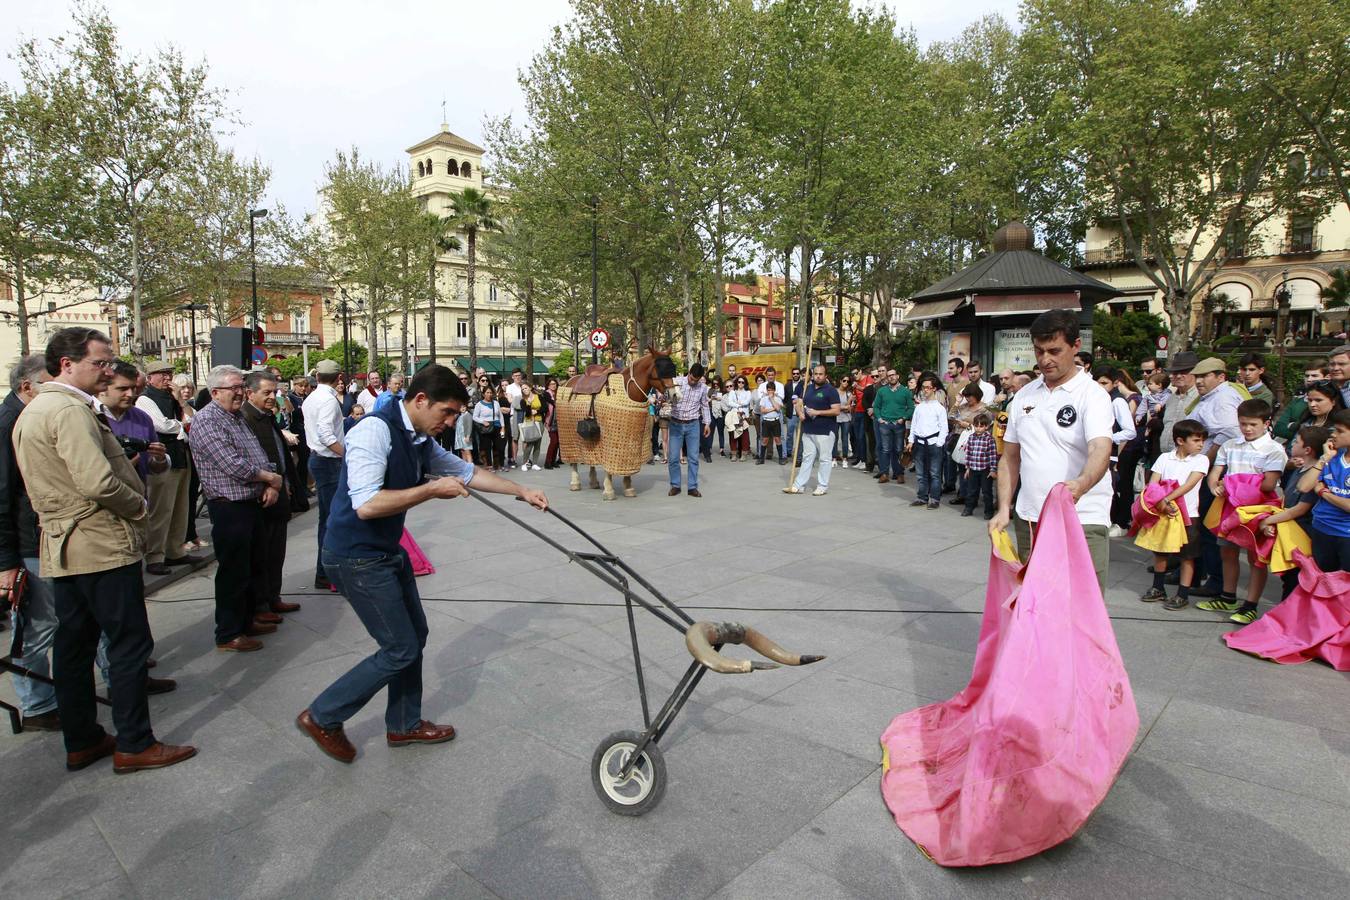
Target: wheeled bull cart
628 769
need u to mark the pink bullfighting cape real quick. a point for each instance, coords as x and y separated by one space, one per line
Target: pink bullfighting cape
1017 761
1311 623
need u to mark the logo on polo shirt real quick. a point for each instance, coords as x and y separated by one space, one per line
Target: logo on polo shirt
1066 416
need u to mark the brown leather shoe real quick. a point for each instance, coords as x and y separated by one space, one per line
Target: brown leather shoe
281 606
156 756
160 685
267 618
425 733
257 628
332 741
151 663
241 644
900 479
83 758
674 492
48 721
695 493
884 479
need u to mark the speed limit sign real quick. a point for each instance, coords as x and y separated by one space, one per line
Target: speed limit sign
1161 352
598 338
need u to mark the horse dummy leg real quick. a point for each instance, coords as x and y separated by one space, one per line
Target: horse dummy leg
595 482
628 486
609 486
576 479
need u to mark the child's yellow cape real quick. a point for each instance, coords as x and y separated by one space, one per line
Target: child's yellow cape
1289 536
1166 535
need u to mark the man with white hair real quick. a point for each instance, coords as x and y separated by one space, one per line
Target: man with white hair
239 481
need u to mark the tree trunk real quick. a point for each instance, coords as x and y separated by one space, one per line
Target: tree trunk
137 342
529 330
788 336
403 357
639 319
805 320
473 305
719 292
839 316
21 299
431 314
373 331
686 310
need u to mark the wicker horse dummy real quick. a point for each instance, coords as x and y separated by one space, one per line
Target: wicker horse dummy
603 420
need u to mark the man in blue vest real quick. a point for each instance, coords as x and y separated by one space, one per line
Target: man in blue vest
392 463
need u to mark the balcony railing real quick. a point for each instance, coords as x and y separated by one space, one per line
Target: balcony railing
1302 244
1108 255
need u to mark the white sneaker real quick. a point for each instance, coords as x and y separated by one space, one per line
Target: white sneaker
819 492
834 464
1115 531
860 465
793 489
537 467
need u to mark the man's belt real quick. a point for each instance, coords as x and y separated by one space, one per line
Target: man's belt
682 421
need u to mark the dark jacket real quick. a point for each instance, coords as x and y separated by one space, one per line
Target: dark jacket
265 428
18 522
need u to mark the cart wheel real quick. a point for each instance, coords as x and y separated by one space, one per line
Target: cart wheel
645 785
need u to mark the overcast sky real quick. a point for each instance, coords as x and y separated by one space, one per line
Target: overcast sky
310 77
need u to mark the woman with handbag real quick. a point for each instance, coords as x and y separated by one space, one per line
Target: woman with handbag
531 427
960 422
550 395
738 400
488 431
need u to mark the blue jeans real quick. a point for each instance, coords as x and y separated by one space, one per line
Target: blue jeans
841 436
684 438
788 434
815 452
858 436
326 471
39 630
890 444
382 592
928 460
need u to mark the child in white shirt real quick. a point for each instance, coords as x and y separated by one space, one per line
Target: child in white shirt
1186 465
1256 452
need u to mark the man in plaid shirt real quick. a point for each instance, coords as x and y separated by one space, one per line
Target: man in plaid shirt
981 462
238 481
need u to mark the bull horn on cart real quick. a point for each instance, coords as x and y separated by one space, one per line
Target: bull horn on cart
702 637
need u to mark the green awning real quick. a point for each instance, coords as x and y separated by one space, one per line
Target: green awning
501 367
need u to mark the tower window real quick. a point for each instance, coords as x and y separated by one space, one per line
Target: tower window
465 171
421 170
452 168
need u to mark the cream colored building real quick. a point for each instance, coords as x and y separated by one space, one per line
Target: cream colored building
1295 252
48 312
441 166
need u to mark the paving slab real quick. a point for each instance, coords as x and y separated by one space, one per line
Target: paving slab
1239 784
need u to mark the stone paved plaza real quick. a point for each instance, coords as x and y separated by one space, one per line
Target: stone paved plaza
1239 784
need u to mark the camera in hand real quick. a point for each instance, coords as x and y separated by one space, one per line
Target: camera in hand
131 446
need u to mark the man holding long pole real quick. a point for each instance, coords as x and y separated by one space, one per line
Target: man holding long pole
392 463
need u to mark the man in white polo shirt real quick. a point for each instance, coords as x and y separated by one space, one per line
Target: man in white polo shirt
1059 431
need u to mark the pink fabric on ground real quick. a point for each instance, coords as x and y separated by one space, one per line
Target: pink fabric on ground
421 565
1311 623
1017 761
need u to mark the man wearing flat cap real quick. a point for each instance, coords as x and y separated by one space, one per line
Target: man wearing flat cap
168 490
1184 394
323 434
1216 409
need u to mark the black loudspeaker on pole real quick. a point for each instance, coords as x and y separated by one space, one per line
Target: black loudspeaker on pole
231 347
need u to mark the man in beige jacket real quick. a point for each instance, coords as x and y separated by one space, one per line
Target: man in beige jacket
92 513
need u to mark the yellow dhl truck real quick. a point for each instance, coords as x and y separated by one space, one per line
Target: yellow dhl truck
779 357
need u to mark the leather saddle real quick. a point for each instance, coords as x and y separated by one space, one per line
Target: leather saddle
593 380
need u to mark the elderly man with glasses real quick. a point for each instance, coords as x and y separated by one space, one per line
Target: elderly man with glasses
239 482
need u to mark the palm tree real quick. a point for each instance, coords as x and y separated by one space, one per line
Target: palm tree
474 212
443 240
1337 293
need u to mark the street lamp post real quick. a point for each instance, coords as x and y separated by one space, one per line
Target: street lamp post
192 309
253 216
595 276
344 307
